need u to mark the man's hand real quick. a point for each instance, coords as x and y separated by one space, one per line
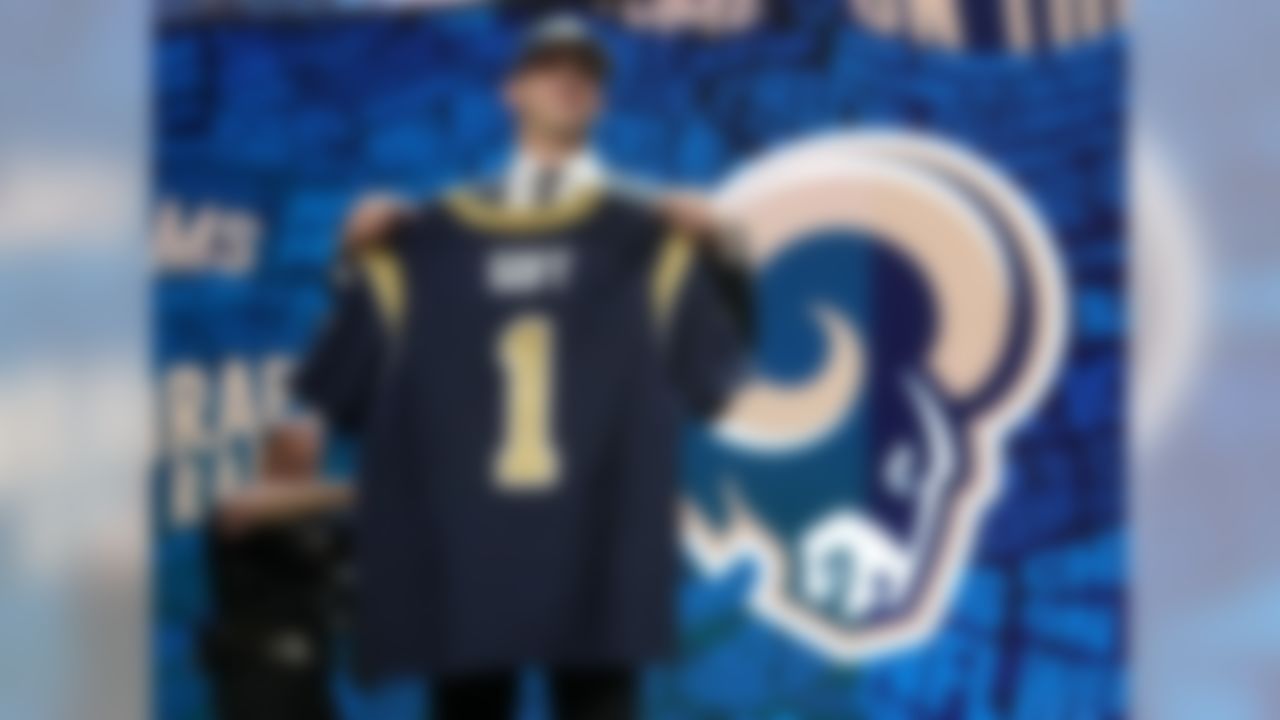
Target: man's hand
373 220
727 261
691 212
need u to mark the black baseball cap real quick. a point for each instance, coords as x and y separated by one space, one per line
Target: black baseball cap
563 36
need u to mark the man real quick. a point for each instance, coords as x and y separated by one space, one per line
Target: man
515 360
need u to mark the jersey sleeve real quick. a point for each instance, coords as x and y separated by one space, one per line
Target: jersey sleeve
706 319
341 372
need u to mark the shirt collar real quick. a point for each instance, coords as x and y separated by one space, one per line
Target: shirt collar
581 172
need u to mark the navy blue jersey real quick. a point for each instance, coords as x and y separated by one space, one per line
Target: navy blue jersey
518 379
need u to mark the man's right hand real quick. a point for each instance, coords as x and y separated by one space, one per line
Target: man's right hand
373 220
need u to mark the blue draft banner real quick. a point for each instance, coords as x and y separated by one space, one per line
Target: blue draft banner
972 149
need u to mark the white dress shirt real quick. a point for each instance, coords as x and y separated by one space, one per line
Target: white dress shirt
530 183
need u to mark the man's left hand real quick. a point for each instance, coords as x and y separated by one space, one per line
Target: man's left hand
691 212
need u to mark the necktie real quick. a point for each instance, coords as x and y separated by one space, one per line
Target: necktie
545 187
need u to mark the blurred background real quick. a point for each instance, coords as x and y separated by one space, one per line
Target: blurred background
112 122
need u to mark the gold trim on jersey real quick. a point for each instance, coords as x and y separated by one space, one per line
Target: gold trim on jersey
670 273
386 278
485 214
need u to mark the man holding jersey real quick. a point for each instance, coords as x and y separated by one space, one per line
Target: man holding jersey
515 360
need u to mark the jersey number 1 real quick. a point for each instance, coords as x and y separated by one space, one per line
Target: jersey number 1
527 459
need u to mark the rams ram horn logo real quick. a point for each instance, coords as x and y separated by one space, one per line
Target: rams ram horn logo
949 327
